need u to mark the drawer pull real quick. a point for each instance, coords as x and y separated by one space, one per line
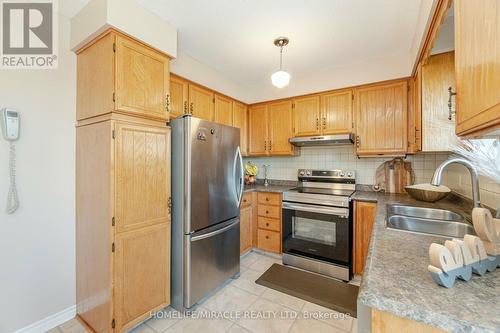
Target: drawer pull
267 237
267 199
267 224
267 212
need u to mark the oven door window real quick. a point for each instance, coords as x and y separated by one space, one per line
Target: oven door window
313 230
316 235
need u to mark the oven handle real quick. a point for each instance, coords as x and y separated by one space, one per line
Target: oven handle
316 209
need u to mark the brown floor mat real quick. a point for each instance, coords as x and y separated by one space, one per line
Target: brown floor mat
314 288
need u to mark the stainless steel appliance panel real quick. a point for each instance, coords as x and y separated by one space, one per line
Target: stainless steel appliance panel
212 256
215 173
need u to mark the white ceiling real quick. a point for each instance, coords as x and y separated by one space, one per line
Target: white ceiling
235 37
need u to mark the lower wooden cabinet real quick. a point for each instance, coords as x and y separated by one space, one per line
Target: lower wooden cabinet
141 273
268 240
364 218
382 322
122 221
269 222
260 222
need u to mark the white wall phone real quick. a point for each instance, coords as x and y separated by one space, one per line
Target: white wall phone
10 129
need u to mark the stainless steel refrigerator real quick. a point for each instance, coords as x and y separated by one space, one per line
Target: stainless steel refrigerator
207 186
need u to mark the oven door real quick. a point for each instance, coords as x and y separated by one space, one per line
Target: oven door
318 232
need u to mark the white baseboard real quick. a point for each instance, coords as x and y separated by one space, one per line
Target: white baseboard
50 322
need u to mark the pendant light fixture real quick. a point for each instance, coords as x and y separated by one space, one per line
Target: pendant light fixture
281 78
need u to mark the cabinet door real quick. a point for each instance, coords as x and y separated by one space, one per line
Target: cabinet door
280 128
306 116
142 79
269 241
142 176
223 110
415 112
201 102
381 119
240 121
257 128
178 97
364 217
336 112
141 274
245 229
438 131
477 64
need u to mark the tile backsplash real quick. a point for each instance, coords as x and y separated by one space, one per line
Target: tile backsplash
458 179
342 157
455 177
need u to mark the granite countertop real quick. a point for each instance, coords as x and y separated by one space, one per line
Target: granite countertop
269 188
277 186
396 279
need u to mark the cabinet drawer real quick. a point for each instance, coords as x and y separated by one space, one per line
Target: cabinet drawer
269 198
269 211
246 200
268 240
270 224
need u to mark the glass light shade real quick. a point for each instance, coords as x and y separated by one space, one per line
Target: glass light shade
280 79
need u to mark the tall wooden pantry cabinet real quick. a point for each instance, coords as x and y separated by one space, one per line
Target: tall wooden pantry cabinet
122 183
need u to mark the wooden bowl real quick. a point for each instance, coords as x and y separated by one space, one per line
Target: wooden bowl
427 192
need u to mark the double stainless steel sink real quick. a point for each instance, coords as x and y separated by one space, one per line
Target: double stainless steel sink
438 222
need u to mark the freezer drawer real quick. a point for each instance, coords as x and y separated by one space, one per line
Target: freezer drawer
212 257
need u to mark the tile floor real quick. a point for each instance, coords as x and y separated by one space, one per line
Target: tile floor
260 309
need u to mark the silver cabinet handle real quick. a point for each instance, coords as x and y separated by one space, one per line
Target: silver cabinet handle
451 112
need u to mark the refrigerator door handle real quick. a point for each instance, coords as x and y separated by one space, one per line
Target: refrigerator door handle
238 192
214 233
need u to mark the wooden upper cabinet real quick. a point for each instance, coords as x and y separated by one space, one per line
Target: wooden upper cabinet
201 102
438 130
240 120
415 112
257 130
381 119
142 159
280 128
336 112
223 110
118 74
477 64
178 96
142 79
306 116
95 78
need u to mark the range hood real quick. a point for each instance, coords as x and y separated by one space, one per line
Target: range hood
323 140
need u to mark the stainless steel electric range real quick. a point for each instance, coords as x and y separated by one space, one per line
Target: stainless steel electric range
317 222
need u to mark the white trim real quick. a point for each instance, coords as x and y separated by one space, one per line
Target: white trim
50 322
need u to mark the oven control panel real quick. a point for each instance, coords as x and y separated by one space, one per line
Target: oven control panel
327 174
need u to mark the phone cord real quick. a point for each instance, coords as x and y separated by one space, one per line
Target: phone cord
12 198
